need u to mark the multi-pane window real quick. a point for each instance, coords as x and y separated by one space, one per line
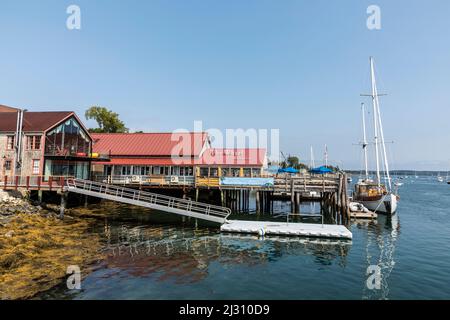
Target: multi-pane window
33 142
7 165
10 143
36 166
68 139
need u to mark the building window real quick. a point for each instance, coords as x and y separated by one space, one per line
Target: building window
33 142
235 172
256 172
214 172
204 172
67 139
36 166
10 144
7 165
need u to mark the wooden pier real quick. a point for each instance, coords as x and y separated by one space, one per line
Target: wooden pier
330 190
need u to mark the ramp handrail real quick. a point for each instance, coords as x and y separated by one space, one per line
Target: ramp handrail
152 198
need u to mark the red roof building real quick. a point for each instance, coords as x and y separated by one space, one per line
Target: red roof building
47 144
173 154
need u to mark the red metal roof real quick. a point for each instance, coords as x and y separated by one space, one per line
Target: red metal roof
211 157
147 162
230 157
149 144
33 121
4 108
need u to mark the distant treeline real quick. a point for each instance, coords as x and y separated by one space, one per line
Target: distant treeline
401 172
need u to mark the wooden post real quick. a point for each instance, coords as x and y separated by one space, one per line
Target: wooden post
297 202
292 196
257 202
40 196
62 208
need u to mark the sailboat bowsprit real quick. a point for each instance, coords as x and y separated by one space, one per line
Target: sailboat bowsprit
374 195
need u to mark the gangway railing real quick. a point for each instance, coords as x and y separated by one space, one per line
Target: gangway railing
136 197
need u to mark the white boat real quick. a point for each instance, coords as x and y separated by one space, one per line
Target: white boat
374 195
440 178
398 184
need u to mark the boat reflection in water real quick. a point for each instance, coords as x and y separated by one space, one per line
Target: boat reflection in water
380 237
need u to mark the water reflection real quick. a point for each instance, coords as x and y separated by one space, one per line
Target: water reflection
184 255
380 237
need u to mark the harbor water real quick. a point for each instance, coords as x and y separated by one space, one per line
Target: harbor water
148 260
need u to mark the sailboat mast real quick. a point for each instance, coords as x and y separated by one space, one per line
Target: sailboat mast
380 126
375 119
313 165
386 163
364 144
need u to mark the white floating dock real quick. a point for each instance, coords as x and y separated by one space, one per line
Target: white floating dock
287 229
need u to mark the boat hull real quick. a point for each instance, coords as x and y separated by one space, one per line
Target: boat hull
386 204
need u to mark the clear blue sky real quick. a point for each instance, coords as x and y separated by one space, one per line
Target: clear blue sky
299 66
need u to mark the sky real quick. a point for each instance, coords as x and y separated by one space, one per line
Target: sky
293 65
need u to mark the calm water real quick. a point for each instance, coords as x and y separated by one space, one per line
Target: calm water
150 261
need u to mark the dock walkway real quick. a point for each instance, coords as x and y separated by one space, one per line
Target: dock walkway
155 201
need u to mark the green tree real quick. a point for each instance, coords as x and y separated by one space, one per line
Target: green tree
108 121
293 161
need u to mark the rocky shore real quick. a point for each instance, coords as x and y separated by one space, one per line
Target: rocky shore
36 247
10 205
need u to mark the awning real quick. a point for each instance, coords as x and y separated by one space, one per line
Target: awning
321 170
288 170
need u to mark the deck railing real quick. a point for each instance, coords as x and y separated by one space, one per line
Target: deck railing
33 182
157 180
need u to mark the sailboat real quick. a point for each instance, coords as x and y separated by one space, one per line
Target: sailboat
374 195
440 178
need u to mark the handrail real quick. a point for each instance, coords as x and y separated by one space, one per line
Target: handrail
152 198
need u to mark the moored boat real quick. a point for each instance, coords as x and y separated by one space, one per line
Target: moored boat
374 195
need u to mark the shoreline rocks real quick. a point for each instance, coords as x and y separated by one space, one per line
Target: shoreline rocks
12 204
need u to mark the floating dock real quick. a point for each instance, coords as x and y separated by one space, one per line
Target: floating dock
287 229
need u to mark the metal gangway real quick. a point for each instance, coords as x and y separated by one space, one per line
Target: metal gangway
184 207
